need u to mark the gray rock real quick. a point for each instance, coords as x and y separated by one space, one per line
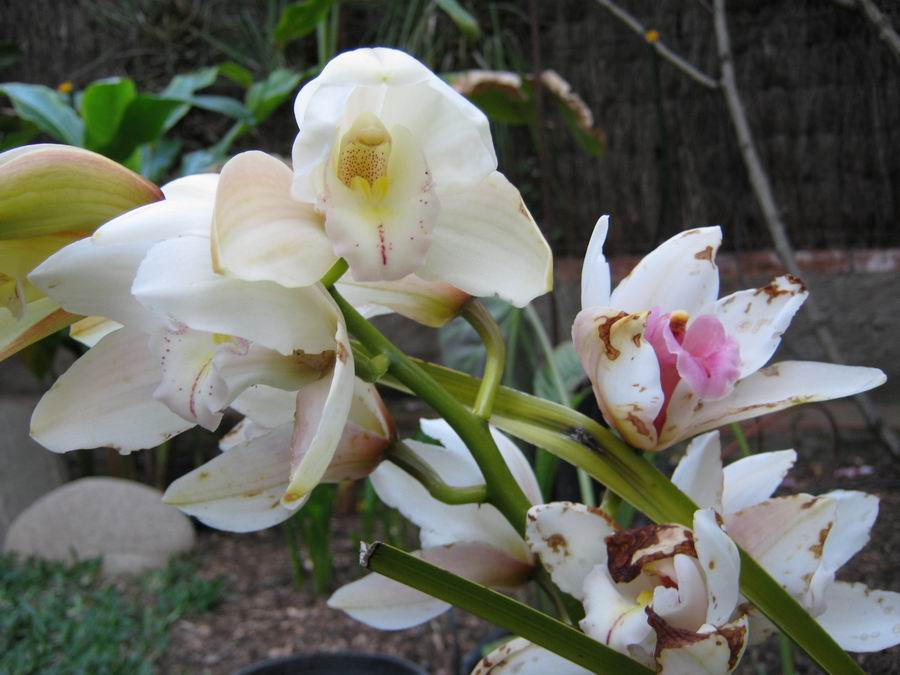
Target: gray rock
29 471
122 521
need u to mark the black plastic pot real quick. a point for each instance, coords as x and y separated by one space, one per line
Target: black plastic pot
342 663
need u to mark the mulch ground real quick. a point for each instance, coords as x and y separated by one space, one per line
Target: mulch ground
264 616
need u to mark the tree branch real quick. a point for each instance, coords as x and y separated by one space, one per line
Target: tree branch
880 22
679 62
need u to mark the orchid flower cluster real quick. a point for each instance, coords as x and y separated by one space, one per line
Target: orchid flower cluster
251 290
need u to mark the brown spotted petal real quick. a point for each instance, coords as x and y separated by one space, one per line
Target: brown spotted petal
711 650
786 535
623 369
570 540
631 550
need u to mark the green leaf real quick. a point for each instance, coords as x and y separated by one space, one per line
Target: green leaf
499 609
184 86
225 105
158 157
590 143
144 121
47 110
236 73
568 365
103 107
503 106
264 97
300 19
467 24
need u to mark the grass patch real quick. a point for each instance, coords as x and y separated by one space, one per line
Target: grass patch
66 618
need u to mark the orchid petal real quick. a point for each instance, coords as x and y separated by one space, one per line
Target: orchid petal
431 303
239 490
441 523
623 369
757 318
157 222
699 473
521 657
781 386
611 617
718 556
41 318
862 619
200 186
389 605
267 406
685 606
680 274
486 243
260 232
96 281
595 275
322 409
105 399
787 536
753 479
176 278
384 237
707 652
570 540
91 329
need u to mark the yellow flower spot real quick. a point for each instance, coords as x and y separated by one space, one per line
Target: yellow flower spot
65 87
651 36
363 157
644 598
221 338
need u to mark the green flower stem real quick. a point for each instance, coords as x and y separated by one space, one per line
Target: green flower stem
400 454
499 609
588 498
336 272
583 442
741 439
502 489
495 356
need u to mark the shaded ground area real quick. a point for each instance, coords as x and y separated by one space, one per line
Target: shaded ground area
264 616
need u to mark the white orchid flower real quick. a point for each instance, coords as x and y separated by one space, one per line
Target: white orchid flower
471 540
180 343
800 540
241 489
662 594
668 360
393 171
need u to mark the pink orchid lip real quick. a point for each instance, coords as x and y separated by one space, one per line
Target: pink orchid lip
698 352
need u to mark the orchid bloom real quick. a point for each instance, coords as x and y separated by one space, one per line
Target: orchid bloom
393 171
175 343
241 489
471 540
665 595
50 196
800 540
667 360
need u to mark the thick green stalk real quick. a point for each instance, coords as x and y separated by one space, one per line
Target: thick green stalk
495 356
502 489
499 609
582 441
401 455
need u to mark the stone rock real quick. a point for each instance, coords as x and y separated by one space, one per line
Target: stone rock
124 522
29 471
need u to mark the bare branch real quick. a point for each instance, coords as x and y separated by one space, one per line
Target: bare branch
762 188
679 62
881 23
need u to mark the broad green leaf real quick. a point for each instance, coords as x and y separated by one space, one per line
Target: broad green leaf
184 86
593 142
264 97
467 24
103 106
503 106
158 157
299 19
47 110
236 73
568 365
225 105
144 122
